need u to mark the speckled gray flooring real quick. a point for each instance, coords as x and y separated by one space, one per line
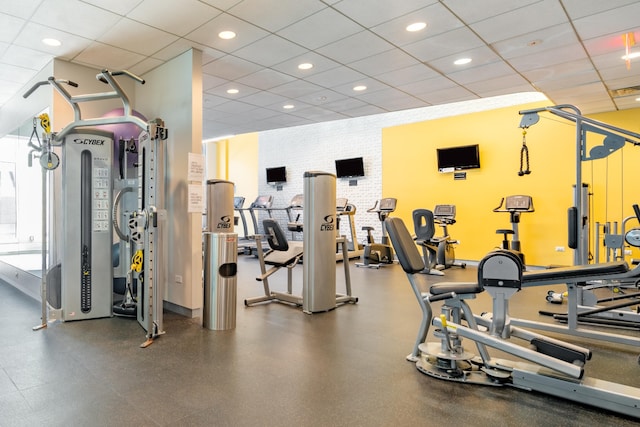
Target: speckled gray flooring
278 367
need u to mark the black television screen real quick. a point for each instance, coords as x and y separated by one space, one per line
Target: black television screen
278 174
348 168
458 158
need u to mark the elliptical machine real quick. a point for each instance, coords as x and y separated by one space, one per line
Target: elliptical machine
376 254
515 206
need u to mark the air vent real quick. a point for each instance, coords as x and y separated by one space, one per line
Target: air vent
625 91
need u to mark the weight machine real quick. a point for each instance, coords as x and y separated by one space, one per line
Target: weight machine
545 365
614 139
80 286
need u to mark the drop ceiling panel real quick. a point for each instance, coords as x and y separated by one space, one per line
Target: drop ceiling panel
427 85
121 7
549 58
454 94
25 58
320 29
536 42
97 54
230 67
295 89
581 8
483 72
9 27
385 62
266 79
75 17
15 74
21 9
275 15
558 71
414 73
355 47
33 34
444 44
179 18
373 12
470 11
437 17
618 21
335 77
264 99
527 19
269 51
320 63
136 37
207 34
479 56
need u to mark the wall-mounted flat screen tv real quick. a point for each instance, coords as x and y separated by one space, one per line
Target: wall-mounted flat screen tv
276 175
349 168
458 158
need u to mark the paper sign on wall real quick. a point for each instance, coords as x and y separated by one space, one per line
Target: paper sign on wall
195 167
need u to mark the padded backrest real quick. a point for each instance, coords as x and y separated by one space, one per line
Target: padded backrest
423 224
406 250
275 236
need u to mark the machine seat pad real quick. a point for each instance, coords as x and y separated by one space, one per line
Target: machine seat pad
284 258
459 288
585 272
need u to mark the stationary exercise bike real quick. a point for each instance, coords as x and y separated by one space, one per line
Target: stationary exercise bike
376 254
437 251
515 206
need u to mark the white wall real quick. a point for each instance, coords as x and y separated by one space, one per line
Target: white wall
173 92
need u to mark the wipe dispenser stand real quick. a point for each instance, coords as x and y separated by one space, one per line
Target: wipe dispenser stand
220 258
319 259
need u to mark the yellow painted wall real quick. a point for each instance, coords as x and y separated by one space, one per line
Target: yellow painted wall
242 169
409 173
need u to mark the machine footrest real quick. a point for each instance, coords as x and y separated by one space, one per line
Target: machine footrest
559 352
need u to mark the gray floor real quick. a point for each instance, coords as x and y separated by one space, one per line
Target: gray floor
278 367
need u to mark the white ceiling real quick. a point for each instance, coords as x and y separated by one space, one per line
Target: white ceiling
568 49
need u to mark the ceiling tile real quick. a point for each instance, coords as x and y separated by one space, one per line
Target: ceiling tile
479 56
536 41
452 94
437 17
9 27
21 9
145 66
25 58
264 99
210 82
230 67
357 46
75 17
269 51
222 4
444 44
534 17
374 12
179 18
98 54
320 29
549 57
470 11
207 34
558 71
136 37
295 89
320 63
15 74
503 85
580 8
121 7
32 34
180 46
372 85
427 85
483 72
274 16
411 74
335 76
243 90
266 79
384 62
617 21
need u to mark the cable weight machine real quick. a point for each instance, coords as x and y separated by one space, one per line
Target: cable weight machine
80 286
614 139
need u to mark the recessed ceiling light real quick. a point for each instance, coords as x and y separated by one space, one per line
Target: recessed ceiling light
305 66
52 42
232 91
638 99
288 106
416 26
633 55
359 88
226 35
462 61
